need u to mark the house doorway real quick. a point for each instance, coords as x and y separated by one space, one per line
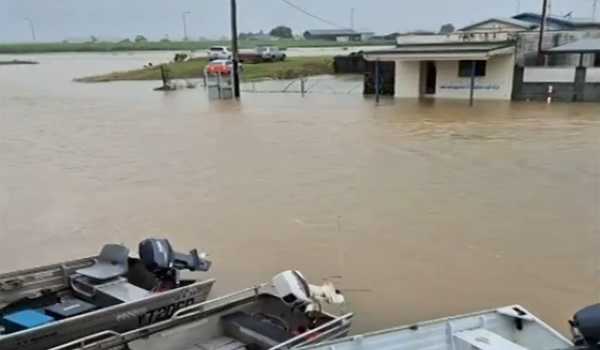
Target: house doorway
430 78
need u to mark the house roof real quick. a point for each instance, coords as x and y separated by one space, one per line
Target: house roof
445 51
561 22
580 46
509 21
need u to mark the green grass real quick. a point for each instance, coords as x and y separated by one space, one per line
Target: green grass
27 48
291 68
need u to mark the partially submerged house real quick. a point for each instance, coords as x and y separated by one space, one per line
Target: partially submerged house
443 65
493 59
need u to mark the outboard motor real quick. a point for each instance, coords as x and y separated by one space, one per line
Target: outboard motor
292 288
159 258
585 327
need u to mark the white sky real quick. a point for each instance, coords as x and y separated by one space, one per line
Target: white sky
59 19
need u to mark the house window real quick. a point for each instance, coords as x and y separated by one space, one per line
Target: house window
464 68
597 60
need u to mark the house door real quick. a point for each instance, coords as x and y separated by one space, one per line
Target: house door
430 78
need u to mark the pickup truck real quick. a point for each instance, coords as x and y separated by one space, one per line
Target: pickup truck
262 54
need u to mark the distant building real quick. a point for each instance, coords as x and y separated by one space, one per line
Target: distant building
500 25
525 28
262 37
340 35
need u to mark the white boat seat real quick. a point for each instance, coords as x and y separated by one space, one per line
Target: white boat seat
111 263
483 339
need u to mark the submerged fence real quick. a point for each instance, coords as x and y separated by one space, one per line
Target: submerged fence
570 84
346 85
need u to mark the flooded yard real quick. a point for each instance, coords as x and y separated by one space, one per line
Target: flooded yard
416 209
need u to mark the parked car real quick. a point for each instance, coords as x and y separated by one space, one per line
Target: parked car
219 53
269 53
223 67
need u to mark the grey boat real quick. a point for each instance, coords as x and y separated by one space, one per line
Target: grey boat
506 328
50 305
284 314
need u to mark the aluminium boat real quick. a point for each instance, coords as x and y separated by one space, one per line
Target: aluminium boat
47 306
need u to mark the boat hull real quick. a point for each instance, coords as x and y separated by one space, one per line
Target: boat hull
118 318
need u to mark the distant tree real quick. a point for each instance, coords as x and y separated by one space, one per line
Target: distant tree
93 39
447 29
125 41
282 32
140 39
165 40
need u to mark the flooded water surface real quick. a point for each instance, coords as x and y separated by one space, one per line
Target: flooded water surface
416 209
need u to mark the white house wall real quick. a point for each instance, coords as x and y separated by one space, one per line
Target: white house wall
497 83
407 79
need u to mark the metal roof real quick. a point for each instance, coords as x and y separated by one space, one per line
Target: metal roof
580 46
565 22
511 21
445 51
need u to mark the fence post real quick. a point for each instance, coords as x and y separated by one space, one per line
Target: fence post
302 86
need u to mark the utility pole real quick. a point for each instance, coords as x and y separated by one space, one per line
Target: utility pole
594 9
184 20
31 27
235 51
352 18
518 7
541 57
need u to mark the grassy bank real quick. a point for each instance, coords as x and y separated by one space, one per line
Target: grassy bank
289 69
27 48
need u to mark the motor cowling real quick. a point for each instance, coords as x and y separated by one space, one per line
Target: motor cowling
585 327
293 289
158 255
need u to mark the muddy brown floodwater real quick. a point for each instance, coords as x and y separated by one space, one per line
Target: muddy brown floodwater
418 210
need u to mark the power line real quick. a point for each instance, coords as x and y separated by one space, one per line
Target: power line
306 12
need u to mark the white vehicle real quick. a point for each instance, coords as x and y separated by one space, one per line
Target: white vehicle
269 53
219 53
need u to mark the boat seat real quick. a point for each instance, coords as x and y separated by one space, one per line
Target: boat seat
483 339
220 343
249 330
111 263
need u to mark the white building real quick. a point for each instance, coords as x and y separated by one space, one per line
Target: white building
450 66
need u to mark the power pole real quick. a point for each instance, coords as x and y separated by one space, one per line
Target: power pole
183 19
541 57
235 51
518 7
31 27
594 9
352 18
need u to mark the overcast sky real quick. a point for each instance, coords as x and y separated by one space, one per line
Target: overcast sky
59 19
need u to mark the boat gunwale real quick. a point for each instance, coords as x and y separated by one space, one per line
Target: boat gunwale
180 317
